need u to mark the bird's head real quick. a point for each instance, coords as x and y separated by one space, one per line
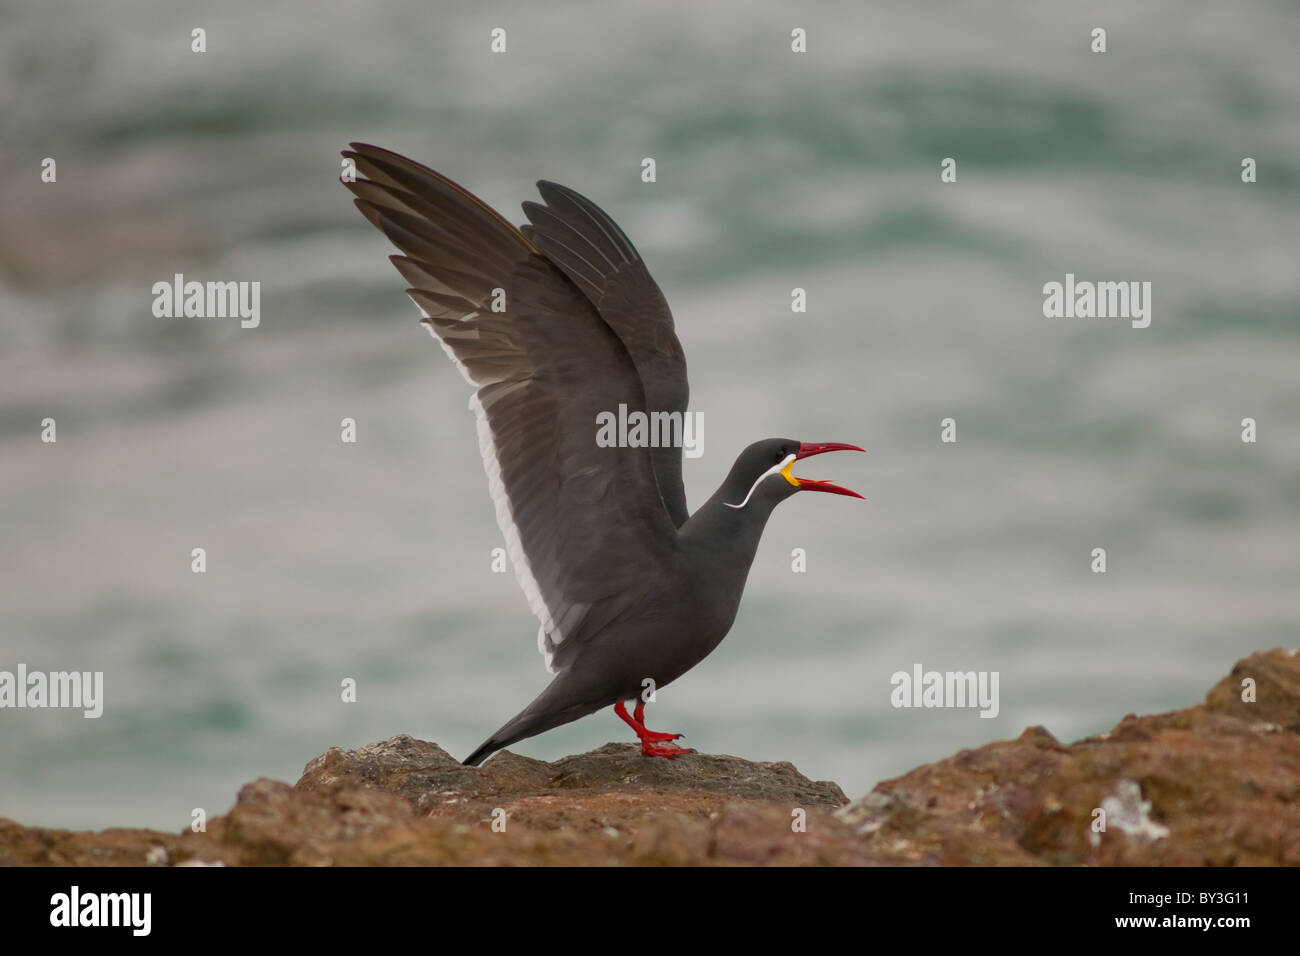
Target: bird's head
764 471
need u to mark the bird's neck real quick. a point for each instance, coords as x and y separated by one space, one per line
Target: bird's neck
726 538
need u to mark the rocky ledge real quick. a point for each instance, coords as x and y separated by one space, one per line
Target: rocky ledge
1217 783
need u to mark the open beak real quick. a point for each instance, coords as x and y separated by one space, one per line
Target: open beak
807 450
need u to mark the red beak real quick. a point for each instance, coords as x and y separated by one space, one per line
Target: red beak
807 450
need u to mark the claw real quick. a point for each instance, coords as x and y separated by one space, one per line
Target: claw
649 737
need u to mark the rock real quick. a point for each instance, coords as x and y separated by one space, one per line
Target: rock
408 802
427 775
34 846
1217 783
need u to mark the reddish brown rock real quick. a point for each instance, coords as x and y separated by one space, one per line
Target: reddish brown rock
408 802
430 778
1216 783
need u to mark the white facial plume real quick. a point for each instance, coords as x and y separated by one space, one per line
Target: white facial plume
776 469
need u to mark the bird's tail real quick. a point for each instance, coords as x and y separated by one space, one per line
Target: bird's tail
489 747
553 707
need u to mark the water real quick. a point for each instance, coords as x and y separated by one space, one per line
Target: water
371 561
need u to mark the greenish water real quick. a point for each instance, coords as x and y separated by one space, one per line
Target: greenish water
819 171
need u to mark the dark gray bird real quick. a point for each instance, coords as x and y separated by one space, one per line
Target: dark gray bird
554 325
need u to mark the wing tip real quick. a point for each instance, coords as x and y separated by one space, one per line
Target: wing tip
372 213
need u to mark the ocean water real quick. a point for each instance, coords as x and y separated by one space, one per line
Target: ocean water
775 170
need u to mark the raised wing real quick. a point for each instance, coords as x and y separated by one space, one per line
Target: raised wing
584 525
590 248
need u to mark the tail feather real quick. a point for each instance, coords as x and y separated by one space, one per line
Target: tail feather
552 708
485 750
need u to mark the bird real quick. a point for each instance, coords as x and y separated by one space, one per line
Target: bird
553 324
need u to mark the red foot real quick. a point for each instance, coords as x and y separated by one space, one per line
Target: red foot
653 735
658 736
649 737
650 750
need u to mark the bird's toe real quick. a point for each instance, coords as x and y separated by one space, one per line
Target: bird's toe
650 750
656 736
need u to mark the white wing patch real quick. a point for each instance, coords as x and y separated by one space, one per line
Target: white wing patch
774 470
505 515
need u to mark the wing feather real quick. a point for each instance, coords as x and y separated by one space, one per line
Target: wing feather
585 526
590 248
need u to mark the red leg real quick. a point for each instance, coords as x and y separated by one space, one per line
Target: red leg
649 737
657 736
